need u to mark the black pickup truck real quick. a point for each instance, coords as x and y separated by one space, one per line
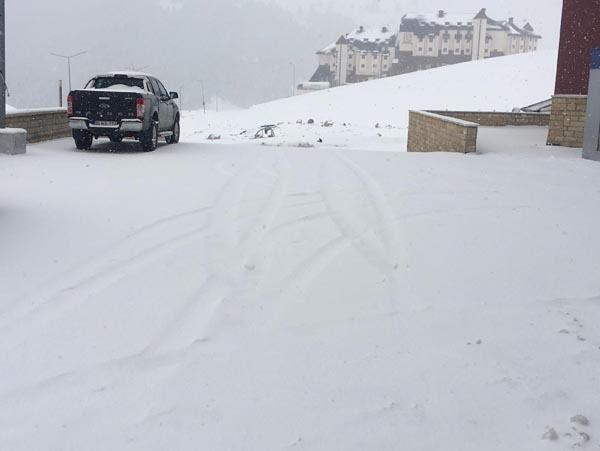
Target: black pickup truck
121 105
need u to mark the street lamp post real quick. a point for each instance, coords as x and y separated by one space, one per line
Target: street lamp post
2 66
69 58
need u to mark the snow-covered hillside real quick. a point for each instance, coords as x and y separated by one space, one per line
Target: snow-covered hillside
499 84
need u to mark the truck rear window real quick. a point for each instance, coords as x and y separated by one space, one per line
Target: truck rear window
107 82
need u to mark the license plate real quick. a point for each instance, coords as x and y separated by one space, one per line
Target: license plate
106 123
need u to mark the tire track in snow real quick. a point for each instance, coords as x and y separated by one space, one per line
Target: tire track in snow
165 350
235 256
350 196
108 268
360 211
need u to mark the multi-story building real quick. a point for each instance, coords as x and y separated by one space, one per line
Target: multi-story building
365 54
426 41
422 41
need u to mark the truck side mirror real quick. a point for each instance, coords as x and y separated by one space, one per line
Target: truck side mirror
174 95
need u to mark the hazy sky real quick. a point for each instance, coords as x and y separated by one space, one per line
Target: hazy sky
243 50
544 14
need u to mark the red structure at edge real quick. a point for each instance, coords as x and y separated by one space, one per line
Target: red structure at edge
580 33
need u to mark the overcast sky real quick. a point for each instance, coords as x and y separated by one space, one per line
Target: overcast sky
243 50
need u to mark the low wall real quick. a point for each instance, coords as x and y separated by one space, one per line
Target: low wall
430 132
499 119
41 125
567 121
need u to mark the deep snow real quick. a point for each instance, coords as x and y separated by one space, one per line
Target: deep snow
234 297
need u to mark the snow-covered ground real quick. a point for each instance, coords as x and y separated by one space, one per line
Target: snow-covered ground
238 296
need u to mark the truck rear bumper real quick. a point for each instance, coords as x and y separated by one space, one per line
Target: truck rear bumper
78 123
126 126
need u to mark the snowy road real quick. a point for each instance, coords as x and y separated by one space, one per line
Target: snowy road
240 297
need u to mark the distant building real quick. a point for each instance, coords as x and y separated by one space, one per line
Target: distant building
365 54
309 86
427 41
422 41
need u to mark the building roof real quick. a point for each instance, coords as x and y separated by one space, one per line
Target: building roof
363 38
441 19
526 30
433 22
538 107
323 74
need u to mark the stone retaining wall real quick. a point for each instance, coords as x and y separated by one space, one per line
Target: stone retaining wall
499 119
430 132
567 120
41 125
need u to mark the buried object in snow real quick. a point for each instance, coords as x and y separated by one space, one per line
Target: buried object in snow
265 131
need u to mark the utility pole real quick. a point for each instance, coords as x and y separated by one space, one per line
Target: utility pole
68 58
60 93
293 79
203 98
12 142
2 66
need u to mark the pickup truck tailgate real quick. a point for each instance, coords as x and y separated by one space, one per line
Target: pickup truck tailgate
104 105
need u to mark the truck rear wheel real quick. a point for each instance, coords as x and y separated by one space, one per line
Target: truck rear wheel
83 139
174 138
149 139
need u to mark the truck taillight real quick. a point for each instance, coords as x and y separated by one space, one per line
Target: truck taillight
140 108
70 106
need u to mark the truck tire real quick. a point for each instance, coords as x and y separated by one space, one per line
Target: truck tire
83 139
149 139
174 138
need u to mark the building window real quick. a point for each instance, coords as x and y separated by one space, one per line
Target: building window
362 66
385 57
430 49
420 49
364 57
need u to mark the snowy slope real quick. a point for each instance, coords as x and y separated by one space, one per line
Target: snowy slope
499 84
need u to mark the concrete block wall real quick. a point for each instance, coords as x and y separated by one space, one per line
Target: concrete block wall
430 132
499 119
567 121
41 125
